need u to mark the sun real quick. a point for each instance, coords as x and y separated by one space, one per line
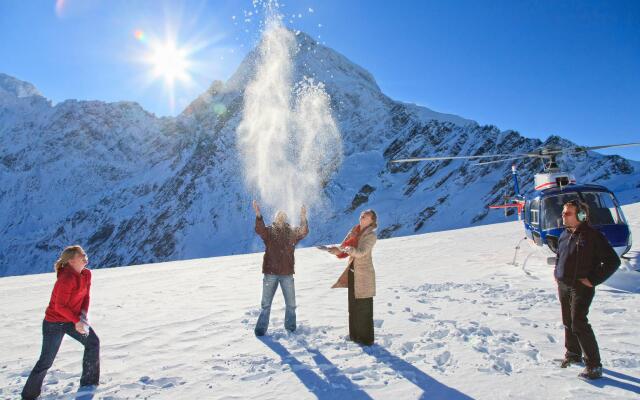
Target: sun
169 62
176 59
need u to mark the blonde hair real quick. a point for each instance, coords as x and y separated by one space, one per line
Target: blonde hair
373 215
280 218
67 254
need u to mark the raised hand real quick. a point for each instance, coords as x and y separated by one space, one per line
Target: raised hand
303 212
256 208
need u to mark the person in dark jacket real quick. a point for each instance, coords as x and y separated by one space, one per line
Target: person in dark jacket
280 241
585 259
67 315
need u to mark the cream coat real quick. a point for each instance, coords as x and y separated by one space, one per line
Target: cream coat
365 275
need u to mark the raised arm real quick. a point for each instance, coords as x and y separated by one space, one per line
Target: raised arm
261 229
303 230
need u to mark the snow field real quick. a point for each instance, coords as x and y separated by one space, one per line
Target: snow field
453 320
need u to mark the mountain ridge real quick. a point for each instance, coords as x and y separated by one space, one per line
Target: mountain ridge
135 188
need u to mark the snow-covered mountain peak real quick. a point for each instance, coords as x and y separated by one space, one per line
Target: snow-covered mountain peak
202 102
17 88
326 64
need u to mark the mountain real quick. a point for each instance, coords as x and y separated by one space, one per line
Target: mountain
133 188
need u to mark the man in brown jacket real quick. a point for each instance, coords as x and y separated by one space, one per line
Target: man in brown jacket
280 241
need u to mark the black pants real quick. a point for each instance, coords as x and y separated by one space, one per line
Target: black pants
360 316
579 338
52 334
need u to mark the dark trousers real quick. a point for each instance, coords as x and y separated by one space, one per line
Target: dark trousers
360 316
52 334
579 338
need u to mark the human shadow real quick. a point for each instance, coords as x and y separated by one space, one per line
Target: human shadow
431 388
620 375
618 383
336 385
86 392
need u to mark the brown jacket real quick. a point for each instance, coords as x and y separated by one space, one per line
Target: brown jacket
364 274
280 243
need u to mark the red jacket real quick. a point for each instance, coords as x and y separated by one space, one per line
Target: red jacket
70 296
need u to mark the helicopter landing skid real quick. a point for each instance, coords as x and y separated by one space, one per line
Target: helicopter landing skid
515 254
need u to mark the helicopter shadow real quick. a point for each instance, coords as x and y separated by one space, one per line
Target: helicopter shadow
631 261
627 278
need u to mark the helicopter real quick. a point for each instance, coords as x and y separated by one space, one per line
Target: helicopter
541 212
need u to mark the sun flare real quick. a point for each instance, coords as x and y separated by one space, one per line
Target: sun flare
169 62
176 60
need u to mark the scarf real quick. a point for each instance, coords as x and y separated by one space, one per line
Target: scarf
351 240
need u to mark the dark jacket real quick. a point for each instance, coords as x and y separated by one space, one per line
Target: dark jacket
280 243
585 253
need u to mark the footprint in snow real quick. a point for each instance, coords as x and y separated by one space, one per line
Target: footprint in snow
442 358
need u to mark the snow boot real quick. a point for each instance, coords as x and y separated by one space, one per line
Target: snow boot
591 373
570 359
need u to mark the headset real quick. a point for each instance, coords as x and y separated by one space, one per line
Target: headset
582 210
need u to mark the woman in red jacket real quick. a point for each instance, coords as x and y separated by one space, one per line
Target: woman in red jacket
67 314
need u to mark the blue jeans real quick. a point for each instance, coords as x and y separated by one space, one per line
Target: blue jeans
269 286
52 334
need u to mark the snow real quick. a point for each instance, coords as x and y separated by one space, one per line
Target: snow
288 140
454 320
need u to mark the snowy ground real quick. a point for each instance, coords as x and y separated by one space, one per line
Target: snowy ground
453 320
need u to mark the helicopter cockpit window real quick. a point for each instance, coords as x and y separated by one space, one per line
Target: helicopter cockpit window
552 209
602 209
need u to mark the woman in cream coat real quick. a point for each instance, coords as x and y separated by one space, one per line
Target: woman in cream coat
359 276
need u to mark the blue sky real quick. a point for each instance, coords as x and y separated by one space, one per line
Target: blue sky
540 67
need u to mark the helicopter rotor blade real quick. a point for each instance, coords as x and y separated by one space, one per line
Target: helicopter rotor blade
542 152
498 161
546 152
581 149
416 159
